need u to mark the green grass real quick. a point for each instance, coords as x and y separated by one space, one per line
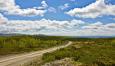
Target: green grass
100 52
19 44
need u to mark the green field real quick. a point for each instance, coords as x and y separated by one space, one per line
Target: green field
87 51
20 44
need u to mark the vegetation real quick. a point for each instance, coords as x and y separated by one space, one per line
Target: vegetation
18 44
89 52
86 51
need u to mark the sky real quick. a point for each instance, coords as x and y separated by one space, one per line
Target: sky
58 17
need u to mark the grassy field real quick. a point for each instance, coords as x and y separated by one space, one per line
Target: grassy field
88 52
20 44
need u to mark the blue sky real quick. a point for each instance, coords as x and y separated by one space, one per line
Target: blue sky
91 12
59 15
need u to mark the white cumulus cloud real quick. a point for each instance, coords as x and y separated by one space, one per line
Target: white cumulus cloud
99 28
96 9
55 27
15 26
10 7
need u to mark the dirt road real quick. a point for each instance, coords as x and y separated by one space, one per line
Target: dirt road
17 60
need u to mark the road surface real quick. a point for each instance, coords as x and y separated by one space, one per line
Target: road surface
18 60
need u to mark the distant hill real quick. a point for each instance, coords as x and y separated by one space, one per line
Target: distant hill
14 34
1 34
95 36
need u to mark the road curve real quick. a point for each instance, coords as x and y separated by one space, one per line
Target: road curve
18 60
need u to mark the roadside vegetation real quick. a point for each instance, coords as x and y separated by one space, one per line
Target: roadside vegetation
20 44
83 51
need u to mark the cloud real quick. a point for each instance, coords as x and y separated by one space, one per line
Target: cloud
110 26
96 9
10 7
113 18
52 9
100 29
99 25
54 27
96 25
66 5
43 25
44 5
3 20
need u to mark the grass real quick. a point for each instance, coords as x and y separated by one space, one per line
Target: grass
19 44
89 52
